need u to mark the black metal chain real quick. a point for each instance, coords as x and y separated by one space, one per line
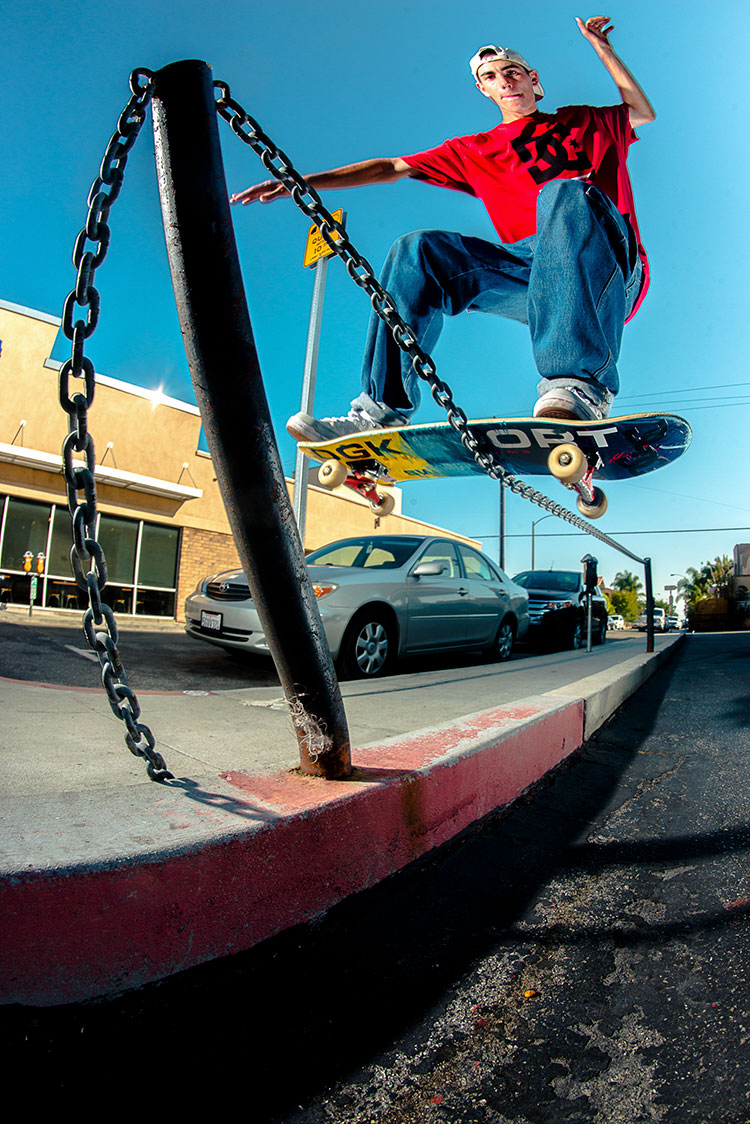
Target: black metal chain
359 269
99 625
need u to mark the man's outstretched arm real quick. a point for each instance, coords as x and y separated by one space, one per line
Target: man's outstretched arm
596 31
384 169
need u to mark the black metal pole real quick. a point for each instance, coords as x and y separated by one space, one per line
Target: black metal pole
229 390
649 606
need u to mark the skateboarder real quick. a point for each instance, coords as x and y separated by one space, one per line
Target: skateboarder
569 262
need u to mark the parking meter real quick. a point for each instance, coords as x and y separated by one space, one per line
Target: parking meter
28 561
590 581
590 576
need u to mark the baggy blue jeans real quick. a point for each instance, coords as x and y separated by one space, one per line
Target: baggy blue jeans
574 283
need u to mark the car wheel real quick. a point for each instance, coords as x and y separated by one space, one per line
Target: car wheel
577 635
368 646
504 641
599 635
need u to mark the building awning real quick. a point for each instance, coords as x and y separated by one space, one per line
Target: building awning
103 474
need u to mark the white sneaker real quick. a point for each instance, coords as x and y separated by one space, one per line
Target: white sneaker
304 427
573 404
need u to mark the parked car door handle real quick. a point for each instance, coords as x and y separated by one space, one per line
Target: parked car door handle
462 591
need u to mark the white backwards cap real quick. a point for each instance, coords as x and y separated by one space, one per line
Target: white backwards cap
491 53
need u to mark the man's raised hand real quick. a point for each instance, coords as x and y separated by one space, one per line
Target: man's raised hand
595 30
264 192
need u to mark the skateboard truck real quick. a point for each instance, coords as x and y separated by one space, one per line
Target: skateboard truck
333 473
570 465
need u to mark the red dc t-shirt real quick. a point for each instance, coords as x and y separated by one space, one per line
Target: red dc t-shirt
508 166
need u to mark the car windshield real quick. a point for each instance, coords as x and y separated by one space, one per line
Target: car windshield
563 581
379 552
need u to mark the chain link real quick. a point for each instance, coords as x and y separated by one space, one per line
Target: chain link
90 249
307 199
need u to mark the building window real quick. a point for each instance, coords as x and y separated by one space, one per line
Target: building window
25 527
157 564
141 558
119 541
157 570
61 591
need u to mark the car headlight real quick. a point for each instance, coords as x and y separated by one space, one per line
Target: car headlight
558 604
322 589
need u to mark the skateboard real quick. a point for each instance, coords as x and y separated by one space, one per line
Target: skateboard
575 453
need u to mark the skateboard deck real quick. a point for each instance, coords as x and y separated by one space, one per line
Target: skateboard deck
614 449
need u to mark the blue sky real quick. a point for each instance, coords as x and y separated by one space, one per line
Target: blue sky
353 80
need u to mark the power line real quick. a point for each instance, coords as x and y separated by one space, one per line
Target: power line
672 400
679 393
569 534
637 482
671 406
716 406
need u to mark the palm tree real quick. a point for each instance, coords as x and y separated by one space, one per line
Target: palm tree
718 575
693 587
712 580
627 582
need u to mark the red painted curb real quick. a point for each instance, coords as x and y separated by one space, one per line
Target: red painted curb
74 935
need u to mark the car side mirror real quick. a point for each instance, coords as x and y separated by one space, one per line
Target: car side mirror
429 570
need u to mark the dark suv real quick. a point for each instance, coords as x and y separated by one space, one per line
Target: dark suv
557 608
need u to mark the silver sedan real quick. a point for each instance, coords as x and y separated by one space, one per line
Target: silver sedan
380 597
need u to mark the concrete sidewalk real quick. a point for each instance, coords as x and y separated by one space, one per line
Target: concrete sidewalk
109 881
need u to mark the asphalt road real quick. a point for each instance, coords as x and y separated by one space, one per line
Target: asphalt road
581 958
46 649
162 658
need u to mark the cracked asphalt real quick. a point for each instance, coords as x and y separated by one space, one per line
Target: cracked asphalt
579 958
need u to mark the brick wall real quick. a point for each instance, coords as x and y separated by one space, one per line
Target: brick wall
202 553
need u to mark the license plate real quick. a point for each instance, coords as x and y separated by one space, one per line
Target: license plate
211 622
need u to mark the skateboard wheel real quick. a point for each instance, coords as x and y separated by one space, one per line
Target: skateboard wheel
385 505
331 474
567 463
596 509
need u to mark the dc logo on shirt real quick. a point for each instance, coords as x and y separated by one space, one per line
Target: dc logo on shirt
541 147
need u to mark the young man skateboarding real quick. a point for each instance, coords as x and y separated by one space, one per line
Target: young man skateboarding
569 262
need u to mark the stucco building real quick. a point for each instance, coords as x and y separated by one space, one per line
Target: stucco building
162 523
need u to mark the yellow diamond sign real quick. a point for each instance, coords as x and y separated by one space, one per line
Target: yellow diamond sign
316 247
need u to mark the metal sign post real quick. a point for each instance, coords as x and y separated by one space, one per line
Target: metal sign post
317 253
670 590
649 605
501 548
